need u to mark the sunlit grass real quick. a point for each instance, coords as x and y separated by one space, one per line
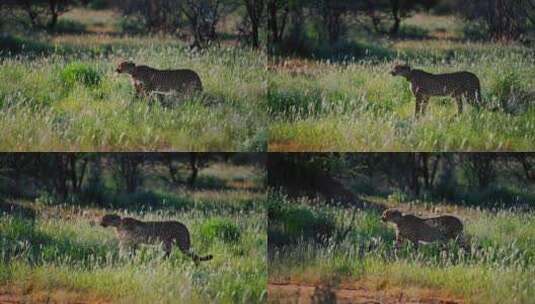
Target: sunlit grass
41 113
358 106
71 253
498 269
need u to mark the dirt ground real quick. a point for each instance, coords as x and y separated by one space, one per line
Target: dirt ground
355 293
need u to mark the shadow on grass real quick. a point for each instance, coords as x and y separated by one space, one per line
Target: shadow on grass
150 200
20 239
341 51
12 45
490 199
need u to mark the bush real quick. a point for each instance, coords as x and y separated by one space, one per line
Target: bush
80 73
290 224
497 197
222 229
148 200
132 25
14 44
413 32
475 31
98 4
69 26
505 83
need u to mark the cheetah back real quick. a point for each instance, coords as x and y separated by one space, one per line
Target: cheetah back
416 229
174 232
450 226
180 81
450 84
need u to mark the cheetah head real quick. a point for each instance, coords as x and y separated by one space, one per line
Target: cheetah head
110 220
401 70
391 215
125 67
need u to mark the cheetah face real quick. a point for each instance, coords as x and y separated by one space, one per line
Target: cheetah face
110 220
125 67
400 70
391 215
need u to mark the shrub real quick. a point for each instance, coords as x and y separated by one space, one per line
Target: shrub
414 32
80 73
98 4
14 44
140 200
69 26
504 83
475 31
132 25
222 229
290 224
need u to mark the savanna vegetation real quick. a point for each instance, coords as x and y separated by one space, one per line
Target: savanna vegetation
330 87
59 90
324 249
52 248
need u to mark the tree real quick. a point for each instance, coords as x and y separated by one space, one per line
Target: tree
127 168
255 15
41 13
203 16
480 169
156 15
392 12
504 19
278 11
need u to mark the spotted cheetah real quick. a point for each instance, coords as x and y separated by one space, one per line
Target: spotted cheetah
460 85
426 230
148 81
132 232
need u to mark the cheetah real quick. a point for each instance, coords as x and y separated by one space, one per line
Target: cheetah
426 230
132 232
460 85
148 81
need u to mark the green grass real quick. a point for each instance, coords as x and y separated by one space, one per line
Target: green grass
69 253
47 105
499 268
356 105
66 256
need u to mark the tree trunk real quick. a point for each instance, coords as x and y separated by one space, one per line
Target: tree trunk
193 168
333 25
395 15
53 9
272 22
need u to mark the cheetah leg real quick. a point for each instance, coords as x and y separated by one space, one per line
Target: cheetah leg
156 96
459 100
127 249
417 106
423 105
139 90
167 247
399 241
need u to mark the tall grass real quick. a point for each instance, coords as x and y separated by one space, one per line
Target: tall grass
498 268
64 255
47 106
73 255
357 105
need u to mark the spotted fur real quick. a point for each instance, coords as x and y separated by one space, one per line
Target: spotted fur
132 232
148 81
415 229
462 86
